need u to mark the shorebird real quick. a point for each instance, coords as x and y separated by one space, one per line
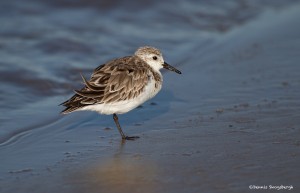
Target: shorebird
121 85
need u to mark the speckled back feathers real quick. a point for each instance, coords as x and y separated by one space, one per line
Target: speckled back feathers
118 80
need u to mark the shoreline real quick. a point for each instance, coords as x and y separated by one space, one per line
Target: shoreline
236 124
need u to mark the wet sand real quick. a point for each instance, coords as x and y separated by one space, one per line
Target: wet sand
231 120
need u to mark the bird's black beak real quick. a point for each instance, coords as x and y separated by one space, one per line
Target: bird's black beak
169 67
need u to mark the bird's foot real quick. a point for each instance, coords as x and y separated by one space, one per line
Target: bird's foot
131 138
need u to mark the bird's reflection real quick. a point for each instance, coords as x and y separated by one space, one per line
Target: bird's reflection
124 172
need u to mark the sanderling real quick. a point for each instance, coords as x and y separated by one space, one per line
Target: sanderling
121 85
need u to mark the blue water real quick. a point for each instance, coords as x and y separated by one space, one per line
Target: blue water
45 45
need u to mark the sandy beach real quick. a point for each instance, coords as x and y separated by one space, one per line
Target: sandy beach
229 123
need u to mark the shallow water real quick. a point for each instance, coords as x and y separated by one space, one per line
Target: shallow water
45 45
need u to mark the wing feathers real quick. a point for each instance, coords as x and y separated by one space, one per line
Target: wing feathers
118 80
90 86
89 94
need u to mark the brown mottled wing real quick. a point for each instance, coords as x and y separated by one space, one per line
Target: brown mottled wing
118 80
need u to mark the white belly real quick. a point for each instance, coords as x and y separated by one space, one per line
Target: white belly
127 105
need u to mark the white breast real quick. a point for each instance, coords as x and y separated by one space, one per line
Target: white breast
126 105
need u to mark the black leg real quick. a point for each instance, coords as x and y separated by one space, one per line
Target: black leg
120 129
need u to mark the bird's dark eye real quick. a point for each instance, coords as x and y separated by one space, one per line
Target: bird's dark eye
154 58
